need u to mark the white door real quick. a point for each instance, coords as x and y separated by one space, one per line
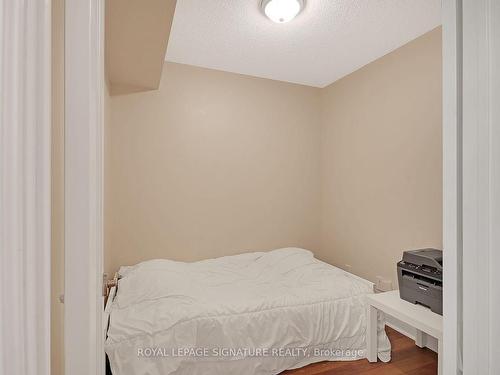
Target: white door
25 128
471 108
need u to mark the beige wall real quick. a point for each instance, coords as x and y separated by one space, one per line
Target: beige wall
212 164
137 35
216 163
381 160
57 261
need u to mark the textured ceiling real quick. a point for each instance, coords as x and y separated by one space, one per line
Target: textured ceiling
328 40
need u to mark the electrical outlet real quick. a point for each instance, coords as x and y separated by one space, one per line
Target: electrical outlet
383 284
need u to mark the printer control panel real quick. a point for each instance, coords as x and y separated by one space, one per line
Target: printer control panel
424 269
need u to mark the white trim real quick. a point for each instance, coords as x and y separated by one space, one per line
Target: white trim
84 85
481 186
452 185
25 149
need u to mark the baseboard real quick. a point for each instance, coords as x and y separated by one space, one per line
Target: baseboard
409 331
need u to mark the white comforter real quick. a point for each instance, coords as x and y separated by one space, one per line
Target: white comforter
254 313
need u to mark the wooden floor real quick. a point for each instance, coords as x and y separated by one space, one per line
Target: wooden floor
407 358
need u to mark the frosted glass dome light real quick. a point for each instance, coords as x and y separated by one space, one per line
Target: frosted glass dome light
281 11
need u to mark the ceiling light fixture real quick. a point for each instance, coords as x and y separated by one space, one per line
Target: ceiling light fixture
281 11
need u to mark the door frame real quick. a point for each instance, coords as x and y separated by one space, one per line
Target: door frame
471 125
452 185
84 129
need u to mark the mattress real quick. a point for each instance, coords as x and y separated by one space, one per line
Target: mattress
254 313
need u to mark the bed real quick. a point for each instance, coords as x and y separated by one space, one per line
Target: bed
253 313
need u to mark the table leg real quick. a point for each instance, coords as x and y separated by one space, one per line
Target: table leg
371 334
419 339
440 356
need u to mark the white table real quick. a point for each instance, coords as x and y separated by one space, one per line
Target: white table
421 318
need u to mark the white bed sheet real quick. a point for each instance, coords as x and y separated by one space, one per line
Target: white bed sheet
254 313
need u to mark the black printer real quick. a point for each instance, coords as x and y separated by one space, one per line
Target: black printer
420 278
